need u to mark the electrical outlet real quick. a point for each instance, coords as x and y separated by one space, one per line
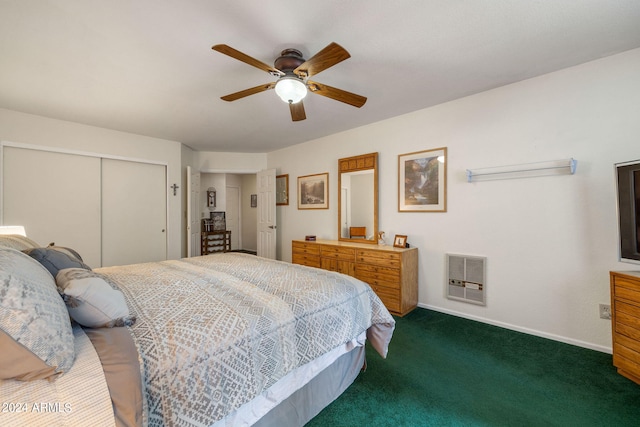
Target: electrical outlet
605 311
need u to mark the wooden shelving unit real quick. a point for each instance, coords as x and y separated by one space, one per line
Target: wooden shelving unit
215 241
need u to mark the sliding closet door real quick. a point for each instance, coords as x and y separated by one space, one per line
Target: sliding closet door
56 196
134 212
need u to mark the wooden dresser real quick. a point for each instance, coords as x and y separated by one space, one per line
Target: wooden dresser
391 272
625 323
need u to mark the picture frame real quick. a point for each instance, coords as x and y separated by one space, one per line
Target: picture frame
313 191
282 190
400 241
219 221
422 181
254 200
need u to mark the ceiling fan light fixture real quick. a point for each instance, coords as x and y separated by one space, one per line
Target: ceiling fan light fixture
291 89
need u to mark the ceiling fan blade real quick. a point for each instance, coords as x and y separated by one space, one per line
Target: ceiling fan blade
337 94
236 54
247 92
297 111
327 57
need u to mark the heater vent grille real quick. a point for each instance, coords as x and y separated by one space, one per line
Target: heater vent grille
466 279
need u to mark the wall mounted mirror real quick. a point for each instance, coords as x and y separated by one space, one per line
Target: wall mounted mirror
358 198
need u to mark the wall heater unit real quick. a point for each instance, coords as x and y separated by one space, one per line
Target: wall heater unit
466 280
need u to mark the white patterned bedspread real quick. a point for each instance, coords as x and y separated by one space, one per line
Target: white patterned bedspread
216 331
80 397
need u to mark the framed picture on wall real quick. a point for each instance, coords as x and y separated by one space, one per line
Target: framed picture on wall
422 181
254 200
313 191
282 190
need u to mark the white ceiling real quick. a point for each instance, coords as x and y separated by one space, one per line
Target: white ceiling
146 66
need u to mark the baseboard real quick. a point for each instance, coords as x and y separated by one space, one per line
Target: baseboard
584 344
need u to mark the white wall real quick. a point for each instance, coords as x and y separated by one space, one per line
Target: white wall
550 242
23 128
209 161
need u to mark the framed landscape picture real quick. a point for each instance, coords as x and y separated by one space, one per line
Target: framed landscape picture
313 191
422 181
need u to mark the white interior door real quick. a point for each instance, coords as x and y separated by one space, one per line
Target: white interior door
266 183
134 212
193 212
233 216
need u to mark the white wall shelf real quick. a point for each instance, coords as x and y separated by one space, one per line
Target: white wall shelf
525 170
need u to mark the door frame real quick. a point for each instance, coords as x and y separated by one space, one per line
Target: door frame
235 172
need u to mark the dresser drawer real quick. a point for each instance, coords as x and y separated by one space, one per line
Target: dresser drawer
389 297
379 281
376 269
627 346
305 248
630 366
306 259
384 259
627 289
382 276
627 294
336 252
344 267
628 316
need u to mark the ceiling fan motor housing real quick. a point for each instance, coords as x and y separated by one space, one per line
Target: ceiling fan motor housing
289 60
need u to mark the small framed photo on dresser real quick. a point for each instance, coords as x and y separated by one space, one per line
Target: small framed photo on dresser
219 222
400 241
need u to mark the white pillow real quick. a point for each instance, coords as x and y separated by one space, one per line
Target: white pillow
91 300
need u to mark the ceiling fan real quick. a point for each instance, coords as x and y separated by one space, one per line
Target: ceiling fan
293 73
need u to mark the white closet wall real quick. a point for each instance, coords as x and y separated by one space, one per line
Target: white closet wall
97 206
134 212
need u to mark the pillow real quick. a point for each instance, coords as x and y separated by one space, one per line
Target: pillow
91 300
55 260
72 253
17 241
33 320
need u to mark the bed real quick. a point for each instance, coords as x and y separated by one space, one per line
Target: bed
219 340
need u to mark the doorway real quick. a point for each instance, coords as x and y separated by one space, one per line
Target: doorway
233 197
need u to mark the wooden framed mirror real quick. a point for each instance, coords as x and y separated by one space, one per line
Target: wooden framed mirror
358 198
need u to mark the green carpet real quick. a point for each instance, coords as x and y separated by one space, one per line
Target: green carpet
443 370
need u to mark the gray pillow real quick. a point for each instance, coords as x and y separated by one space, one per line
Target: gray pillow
68 251
55 260
37 340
